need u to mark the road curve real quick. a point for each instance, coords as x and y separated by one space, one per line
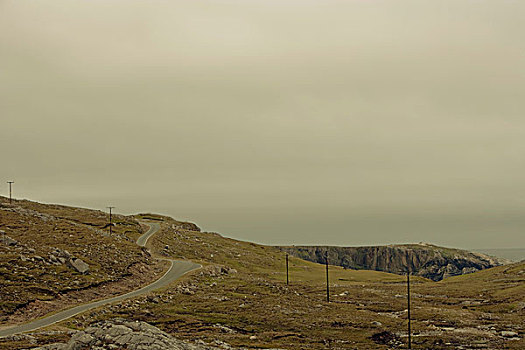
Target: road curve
176 270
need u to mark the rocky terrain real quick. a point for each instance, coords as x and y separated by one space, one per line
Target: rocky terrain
239 298
425 260
52 256
121 334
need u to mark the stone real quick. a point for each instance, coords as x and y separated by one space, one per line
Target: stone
8 241
509 334
79 265
118 330
82 339
467 270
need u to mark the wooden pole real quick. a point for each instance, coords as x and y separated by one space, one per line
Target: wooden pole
110 221
327 281
408 303
287 279
10 196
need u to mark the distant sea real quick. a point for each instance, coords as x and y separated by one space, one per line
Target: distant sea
514 254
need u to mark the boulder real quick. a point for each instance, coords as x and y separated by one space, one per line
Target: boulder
79 265
6 240
509 334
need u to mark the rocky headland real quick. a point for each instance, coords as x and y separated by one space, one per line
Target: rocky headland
425 260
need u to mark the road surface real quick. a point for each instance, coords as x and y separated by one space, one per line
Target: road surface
177 269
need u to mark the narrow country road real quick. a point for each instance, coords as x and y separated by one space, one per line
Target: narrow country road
176 270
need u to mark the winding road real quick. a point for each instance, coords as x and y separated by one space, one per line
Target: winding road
176 270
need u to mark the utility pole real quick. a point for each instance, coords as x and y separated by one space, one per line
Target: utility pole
327 282
110 222
287 280
408 303
10 197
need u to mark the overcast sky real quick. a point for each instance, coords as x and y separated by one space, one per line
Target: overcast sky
280 122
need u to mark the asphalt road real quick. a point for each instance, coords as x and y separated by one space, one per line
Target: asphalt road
177 269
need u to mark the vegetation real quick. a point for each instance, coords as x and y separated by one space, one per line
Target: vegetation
240 296
253 307
33 281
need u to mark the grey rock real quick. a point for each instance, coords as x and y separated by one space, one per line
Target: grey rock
509 334
79 265
80 341
121 334
118 330
467 270
8 241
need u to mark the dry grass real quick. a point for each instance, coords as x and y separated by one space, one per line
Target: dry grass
255 301
27 275
468 311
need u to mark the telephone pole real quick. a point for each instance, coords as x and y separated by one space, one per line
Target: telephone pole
287 280
10 197
408 303
110 222
327 282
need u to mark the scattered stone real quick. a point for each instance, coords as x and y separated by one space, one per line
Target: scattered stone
187 291
225 329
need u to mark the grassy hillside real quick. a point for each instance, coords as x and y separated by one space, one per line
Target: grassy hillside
240 296
35 274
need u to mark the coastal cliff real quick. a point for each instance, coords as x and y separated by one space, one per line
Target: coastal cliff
426 260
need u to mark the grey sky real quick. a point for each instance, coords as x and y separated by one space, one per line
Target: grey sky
306 122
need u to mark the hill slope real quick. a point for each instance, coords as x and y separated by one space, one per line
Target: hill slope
53 256
240 297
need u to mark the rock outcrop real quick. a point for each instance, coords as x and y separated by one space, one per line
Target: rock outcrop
121 334
424 260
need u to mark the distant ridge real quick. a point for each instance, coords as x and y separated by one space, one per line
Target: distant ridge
513 254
